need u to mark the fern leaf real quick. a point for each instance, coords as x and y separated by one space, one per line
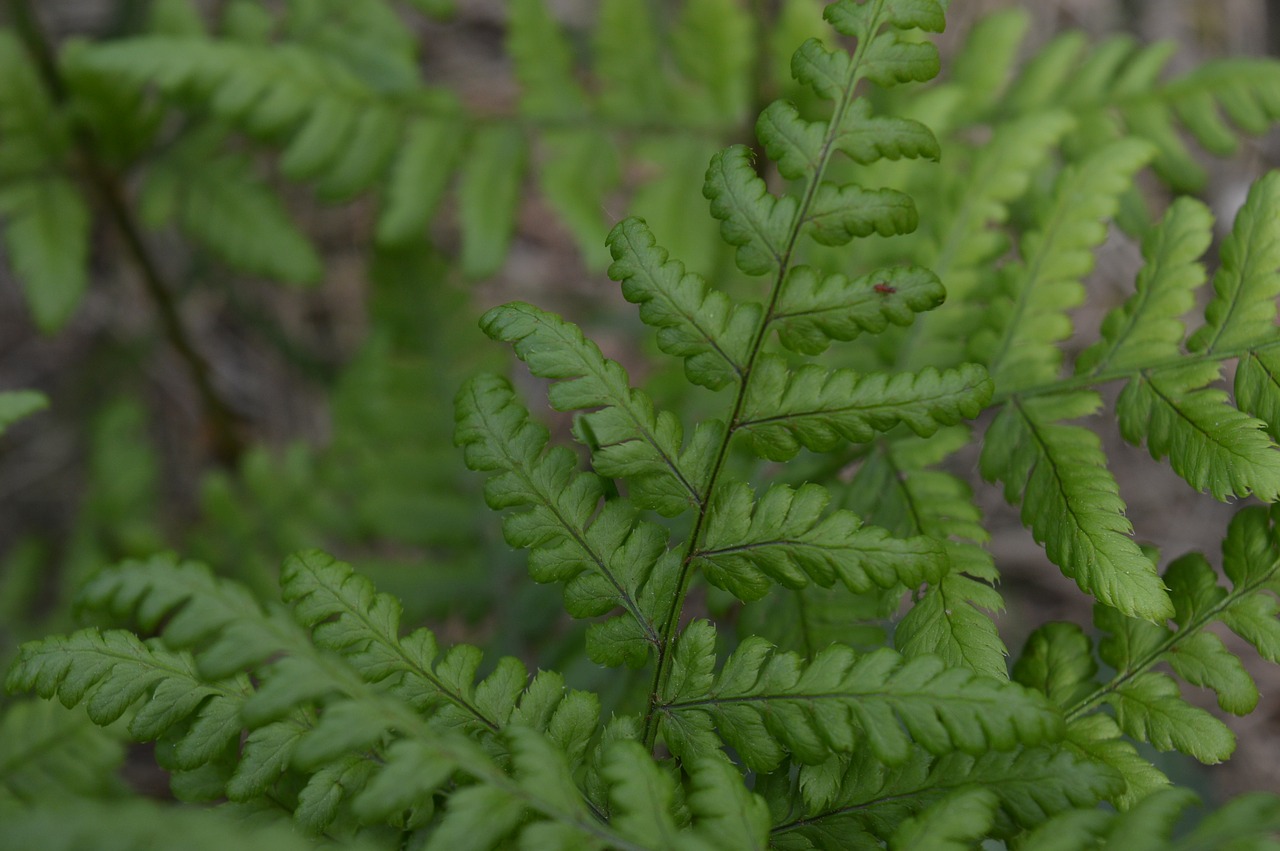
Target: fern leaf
49 753
1038 291
814 310
111 671
894 488
1031 785
543 63
221 204
1098 738
47 223
418 178
841 213
1257 388
141 823
1242 312
952 824
477 817
1147 327
488 195
818 409
641 796
16 405
498 437
712 41
764 704
786 538
752 219
1071 502
1210 444
694 321
627 49
635 441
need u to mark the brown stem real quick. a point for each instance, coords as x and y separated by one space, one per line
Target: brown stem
221 420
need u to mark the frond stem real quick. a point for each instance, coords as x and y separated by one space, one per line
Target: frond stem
667 632
228 446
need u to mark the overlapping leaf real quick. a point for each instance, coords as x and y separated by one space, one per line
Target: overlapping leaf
631 439
695 321
607 560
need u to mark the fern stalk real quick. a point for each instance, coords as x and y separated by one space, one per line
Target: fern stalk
662 668
228 446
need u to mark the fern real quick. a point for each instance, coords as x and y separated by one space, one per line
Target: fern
790 563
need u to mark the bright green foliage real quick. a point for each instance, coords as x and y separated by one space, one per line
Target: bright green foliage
771 531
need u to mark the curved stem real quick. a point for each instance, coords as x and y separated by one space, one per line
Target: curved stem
221 419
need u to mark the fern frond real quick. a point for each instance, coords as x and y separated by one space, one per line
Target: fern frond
635 441
1071 502
1030 317
788 538
895 488
819 409
1210 443
766 704
1147 328
567 538
109 672
1250 821
221 204
141 823
1058 659
868 797
694 321
49 753
1242 312
814 310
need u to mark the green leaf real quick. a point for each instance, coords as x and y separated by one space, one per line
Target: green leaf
1071 502
488 197
786 538
1210 444
819 409
764 700
756 222
1098 738
841 213
419 176
1149 708
1030 318
1058 662
1243 311
695 321
1147 328
19 404
813 310
634 440
641 795
221 204
952 824
543 63
562 528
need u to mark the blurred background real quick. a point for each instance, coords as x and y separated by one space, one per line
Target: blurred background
338 391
